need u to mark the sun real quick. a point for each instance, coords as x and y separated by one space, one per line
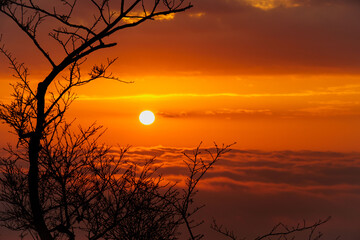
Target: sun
147 117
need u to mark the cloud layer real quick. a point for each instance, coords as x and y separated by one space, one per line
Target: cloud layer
236 37
249 187
313 172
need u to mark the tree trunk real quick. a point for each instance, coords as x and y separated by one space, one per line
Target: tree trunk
33 176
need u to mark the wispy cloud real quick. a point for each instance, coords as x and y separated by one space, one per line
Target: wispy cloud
271 4
239 111
339 91
136 16
157 96
197 15
222 112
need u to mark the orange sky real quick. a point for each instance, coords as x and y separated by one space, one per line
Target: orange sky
275 76
266 74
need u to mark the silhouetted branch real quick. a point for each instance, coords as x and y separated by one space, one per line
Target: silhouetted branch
283 230
197 168
224 231
280 231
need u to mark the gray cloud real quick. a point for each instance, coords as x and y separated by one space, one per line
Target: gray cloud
251 190
310 171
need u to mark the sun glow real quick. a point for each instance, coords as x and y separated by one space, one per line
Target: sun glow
147 117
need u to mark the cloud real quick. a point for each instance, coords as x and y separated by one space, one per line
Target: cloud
335 91
328 2
136 16
289 37
182 114
197 15
158 96
326 111
233 37
238 111
223 113
271 4
254 189
313 172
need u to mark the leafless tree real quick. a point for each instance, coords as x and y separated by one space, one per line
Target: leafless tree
49 181
61 184
85 190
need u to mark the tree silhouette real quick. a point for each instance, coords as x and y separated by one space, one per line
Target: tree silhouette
56 183
87 191
60 183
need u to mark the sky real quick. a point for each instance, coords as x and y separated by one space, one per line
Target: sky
281 78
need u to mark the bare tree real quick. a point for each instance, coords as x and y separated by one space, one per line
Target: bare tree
84 190
60 184
37 117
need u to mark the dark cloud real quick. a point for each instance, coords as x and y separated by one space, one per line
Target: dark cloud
292 3
235 38
328 2
298 169
251 190
232 37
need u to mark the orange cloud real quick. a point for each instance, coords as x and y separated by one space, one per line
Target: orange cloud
197 15
136 16
271 4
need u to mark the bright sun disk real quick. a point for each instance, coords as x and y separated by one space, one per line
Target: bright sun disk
147 117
